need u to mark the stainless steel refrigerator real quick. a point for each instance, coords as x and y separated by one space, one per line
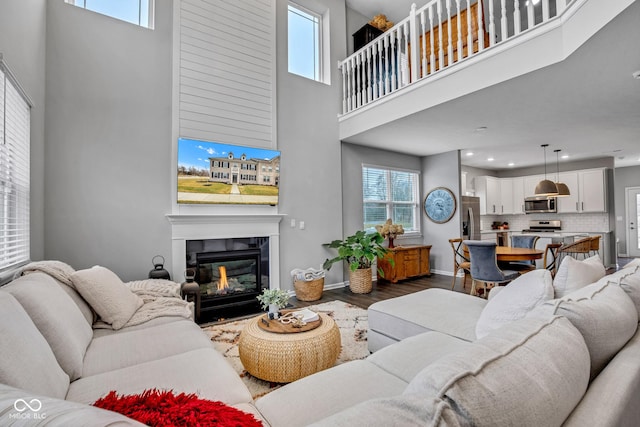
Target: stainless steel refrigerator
470 213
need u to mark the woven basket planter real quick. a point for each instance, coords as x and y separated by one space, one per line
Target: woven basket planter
309 290
360 281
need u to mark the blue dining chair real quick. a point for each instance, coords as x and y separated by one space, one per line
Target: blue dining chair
523 241
484 266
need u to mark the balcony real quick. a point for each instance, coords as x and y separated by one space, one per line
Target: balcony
451 48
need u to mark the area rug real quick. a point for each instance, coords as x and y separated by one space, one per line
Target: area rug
351 320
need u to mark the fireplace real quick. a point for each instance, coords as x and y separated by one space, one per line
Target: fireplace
230 274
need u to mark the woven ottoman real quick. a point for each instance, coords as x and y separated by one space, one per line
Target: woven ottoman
283 358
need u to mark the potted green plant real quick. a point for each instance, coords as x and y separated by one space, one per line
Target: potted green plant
359 251
274 300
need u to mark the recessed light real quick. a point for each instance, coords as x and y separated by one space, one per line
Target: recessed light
481 129
470 153
490 159
565 156
511 164
636 75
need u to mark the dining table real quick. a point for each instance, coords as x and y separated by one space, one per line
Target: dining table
511 254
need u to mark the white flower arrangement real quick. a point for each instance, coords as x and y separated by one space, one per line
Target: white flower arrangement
278 297
390 230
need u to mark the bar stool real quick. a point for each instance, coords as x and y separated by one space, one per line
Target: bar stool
595 245
582 246
551 251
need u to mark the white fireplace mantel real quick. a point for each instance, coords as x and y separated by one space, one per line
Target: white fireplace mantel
197 227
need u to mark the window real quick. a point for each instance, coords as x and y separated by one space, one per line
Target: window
390 193
305 42
15 120
138 12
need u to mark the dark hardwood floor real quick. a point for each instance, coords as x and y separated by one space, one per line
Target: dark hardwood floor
384 290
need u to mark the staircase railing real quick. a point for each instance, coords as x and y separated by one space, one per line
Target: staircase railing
433 38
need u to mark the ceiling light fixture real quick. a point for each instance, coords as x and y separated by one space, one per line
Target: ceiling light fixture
546 187
561 187
490 159
636 75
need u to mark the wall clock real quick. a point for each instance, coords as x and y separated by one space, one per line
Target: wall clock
440 205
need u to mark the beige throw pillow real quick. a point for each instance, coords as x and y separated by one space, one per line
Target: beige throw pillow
110 298
531 372
573 274
516 300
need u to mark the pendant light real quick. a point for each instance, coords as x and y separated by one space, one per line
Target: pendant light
563 190
546 187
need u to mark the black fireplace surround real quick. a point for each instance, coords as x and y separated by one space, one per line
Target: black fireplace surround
230 273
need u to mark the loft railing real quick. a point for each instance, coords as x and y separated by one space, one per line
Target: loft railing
433 38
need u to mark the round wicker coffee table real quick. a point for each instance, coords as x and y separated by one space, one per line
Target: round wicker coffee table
283 358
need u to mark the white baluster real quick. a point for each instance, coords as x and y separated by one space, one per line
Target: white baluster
369 81
449 33
394 60
387 59
516 17
423 44
432 56
375 54
480 27
545 10
358 83
469 30
503 21
352 102
440 49
492 25
530 15
412 36
381 67
344 87
406 72
459 29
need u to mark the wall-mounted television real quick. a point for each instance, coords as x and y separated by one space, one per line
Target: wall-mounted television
216 173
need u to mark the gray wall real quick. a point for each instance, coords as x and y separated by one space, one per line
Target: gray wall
441 170
108 148
310 179
22 43
624 177
355 21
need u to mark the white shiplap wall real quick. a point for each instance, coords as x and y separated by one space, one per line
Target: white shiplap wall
227 71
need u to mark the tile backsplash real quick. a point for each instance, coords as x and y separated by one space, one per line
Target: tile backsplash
586 222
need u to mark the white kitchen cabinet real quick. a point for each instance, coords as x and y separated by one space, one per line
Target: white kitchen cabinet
488 190
588 191
591 190
569 204
518 195
506 196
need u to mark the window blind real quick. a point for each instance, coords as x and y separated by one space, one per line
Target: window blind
15 122
390 194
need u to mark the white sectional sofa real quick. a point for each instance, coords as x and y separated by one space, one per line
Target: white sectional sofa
573 361
541 361
51 352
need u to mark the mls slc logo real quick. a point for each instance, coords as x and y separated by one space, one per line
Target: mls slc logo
27 410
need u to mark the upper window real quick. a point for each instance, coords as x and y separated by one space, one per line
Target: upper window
390 194
15 120
305 42
139 12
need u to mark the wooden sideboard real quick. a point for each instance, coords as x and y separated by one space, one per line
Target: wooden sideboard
409 261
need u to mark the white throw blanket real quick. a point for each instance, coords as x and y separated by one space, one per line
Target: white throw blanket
161 297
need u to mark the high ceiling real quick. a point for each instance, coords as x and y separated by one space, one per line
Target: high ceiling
588 106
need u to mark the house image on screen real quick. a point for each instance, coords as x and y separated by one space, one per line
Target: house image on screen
230 170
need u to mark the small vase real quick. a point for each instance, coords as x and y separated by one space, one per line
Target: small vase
391 245
274 311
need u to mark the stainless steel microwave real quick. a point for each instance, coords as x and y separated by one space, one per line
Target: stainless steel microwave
540 205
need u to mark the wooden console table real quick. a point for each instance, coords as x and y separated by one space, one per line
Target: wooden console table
410 261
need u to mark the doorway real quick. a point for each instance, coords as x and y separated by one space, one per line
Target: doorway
632 202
